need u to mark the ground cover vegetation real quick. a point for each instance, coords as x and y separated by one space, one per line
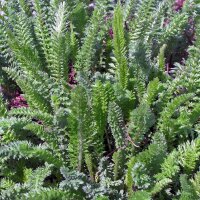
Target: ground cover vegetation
100 100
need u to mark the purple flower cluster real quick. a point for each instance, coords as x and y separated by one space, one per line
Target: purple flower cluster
71 77
111 33
178 4
18 102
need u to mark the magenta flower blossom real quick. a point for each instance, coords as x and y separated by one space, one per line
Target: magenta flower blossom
178 5
18 102
111 33
72 75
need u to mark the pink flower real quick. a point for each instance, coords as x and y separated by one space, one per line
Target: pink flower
18 102
72 74
111 33
178 5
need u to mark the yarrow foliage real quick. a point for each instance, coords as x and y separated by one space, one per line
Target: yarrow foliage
105 102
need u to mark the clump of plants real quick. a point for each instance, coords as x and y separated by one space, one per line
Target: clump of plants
108 100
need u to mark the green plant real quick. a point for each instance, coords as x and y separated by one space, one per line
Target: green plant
125 129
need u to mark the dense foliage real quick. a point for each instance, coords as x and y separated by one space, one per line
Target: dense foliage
106 101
